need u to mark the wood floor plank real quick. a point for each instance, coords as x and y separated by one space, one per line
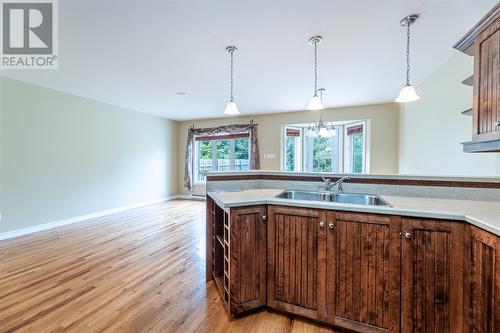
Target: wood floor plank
141 270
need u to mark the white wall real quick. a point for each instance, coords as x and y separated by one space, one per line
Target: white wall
63 156
433 128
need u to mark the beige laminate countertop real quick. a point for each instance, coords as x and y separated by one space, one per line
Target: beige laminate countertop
483 214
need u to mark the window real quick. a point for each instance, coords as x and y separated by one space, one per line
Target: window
341 151
292 152
221 153
354 148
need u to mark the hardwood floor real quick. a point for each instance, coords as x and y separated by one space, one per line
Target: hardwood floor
138 271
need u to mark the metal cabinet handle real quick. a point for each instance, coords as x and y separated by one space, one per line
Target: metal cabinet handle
407 235
331 225
322 224
264 217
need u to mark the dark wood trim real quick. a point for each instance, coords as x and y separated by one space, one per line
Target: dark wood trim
466 42
378 181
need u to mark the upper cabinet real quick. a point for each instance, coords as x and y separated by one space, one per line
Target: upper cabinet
483 43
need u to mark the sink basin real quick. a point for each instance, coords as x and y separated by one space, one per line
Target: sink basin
348 198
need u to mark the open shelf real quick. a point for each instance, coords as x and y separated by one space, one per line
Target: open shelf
467 112
220 250
469 81
218 221
220 240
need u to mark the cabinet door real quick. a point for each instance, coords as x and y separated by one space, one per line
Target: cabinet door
363 272
295 259
482 281
432 275
247 253
486 114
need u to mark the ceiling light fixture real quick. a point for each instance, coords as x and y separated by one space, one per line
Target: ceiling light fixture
408 93
231 108
323 129
315 103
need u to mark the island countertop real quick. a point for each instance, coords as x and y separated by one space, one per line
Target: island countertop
483 214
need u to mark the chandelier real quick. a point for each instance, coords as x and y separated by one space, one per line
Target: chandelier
322 128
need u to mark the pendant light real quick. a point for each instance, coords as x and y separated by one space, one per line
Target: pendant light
231 108
315 103
408 93
322 128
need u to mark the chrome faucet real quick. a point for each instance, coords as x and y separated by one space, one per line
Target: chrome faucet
328 183
339 183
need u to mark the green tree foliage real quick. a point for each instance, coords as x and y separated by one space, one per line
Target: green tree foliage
357 143
290 153
241 149
205 150
322 154
223 149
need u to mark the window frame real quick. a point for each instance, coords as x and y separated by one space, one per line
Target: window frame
298 149
342 127
348 145
213 145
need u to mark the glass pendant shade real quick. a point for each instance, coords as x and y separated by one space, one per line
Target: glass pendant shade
315 104
231 109
407 94
324 133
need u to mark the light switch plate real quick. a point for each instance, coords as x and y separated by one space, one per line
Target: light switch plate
269 156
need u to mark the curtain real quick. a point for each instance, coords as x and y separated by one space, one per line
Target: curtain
220 130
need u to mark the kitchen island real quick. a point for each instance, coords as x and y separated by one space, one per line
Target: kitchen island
428 264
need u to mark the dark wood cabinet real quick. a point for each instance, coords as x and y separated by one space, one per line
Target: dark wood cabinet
481 281
432 275
295 260
247 251
483 42
237 256
357 271
363 271
486 119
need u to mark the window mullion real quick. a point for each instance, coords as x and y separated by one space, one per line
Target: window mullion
215 162
232 145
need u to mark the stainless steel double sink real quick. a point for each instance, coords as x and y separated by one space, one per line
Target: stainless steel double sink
348 198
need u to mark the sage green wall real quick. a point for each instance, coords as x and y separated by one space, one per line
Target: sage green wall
433 128
63 156
383 134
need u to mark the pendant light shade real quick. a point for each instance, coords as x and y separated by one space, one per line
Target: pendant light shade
315 103
324 133
231 108
408 92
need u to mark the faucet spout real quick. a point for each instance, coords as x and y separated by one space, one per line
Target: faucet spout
328 183
339 183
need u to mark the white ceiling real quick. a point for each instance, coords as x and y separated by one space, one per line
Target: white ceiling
138 54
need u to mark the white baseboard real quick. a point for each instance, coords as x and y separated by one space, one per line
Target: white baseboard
59 223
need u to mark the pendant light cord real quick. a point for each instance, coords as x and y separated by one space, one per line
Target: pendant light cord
315 68
408 23
232 97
